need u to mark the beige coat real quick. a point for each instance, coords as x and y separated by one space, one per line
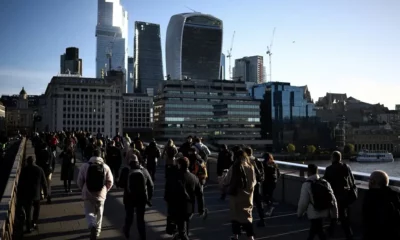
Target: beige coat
241 205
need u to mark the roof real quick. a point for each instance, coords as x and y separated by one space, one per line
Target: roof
23 92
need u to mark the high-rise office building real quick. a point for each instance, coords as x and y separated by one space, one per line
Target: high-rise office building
193 46
249 69
70 63
112 37
222 70
131 71
148 57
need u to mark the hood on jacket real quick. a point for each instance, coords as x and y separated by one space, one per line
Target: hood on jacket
96 159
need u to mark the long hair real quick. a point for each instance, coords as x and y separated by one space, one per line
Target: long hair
269 158
170 143
239 177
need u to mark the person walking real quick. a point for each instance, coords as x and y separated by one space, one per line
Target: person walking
341 179
138 191
67 167
31 180
181 191
95 180
381 209
224 162
152 154
318 200
46 161
272 174
114 159
240 181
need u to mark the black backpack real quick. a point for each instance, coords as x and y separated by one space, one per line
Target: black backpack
136 185
95 177
322 197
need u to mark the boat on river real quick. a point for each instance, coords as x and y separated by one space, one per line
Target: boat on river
374 156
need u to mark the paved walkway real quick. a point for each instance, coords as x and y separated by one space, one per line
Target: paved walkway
64 218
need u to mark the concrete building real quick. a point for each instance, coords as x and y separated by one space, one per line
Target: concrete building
397 107
249 69
137 111
148 57
111 37
222 112
2 117
222 70
90 104
131 72
193 46
70 63
20 111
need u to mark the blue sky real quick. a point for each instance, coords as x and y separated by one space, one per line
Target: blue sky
340 46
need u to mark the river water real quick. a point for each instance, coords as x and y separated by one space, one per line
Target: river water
391 168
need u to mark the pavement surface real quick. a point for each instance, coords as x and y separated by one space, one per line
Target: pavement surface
64 218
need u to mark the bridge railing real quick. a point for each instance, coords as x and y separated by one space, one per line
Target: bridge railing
9 200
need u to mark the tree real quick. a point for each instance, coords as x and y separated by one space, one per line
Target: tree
311 149
348 149
291 148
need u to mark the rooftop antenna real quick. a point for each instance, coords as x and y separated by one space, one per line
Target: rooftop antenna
269 53
191 9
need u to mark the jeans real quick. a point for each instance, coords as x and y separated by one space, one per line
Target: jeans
28 212
316 228
94 213
258 201
140 210
344 218
247 227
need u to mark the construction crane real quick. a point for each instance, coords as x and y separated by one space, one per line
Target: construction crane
229 56
269 53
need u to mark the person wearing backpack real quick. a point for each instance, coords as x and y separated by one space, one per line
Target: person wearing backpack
339 175
202 149
381 209
95 180
318 201
197 165
257 197
138 191
181 191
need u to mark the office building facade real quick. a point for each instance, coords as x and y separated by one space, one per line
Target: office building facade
222 70
111 37
249 69
222 112
284 109
89 104
70 63
138 114
194 46
2 117
130 78
148 57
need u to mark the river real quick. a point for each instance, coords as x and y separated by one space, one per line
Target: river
391 168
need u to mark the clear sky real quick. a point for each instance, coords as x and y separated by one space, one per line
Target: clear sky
340 46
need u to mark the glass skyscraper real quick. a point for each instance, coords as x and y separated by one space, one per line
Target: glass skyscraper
131 72
148 57
222 71
193 46
112 37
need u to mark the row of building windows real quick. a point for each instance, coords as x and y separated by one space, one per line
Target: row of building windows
83 90
208 93
86 109
68 115
230 119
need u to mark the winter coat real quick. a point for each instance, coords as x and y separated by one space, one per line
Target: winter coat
225 160
306 200
67 165
241 205
81 182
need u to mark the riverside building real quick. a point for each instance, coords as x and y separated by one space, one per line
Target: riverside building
220 111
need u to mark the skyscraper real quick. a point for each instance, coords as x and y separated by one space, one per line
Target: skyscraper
148 57
70 63
112 37
193 46
222 70
131 71
249 69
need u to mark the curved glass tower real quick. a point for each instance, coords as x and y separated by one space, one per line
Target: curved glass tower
193 46
111 36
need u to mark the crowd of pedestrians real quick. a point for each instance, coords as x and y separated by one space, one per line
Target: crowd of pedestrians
127 164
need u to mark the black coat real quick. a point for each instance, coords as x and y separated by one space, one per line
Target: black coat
67 165
225 161
341 179
381 214
31 181
113 156
129 199
178 206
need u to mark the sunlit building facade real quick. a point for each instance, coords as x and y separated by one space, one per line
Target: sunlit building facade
222 112
112 37
131 72
193 46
